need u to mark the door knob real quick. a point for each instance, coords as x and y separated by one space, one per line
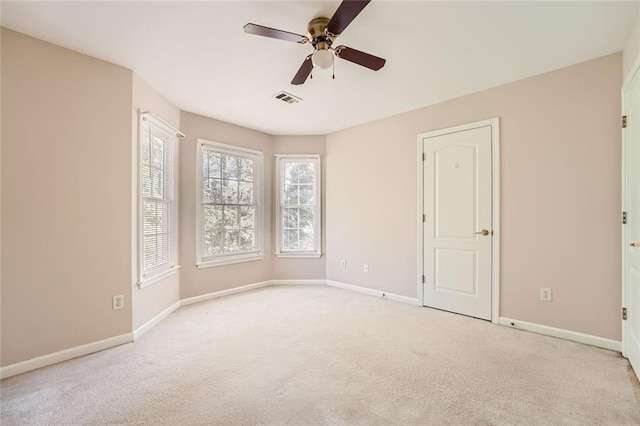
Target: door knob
486 232
635 245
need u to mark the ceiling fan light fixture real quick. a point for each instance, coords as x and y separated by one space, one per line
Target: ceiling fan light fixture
322 59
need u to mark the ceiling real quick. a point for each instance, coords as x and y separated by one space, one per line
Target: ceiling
197 55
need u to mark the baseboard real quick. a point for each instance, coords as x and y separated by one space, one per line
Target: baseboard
574 336
371 292
217 294
299 282
64 355
155 320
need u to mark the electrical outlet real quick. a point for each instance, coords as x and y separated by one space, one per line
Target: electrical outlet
366 267
546 294
118 302
343 264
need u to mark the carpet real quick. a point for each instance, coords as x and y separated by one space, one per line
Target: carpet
315 355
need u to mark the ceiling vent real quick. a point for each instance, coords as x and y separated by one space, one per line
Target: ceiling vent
287 97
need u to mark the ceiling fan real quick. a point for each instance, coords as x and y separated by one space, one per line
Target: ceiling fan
322 33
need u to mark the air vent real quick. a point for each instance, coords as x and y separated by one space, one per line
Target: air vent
287 97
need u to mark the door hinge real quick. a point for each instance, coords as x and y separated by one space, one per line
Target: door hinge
624 218
423 156
624 121
624 314
424 217
423 279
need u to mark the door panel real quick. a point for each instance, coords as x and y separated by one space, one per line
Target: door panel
455 270
632 228
455 191
457 205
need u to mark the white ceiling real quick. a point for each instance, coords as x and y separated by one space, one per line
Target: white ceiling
197 55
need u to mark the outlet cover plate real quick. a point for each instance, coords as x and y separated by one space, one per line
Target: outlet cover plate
546 294
118 302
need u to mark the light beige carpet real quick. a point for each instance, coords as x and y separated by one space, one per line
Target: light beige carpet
316 355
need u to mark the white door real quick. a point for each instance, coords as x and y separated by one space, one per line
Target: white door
632 228
458 221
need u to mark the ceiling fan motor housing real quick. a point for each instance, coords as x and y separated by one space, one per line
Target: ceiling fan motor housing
320 38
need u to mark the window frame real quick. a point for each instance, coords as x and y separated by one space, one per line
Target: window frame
170 172
281 160
228 259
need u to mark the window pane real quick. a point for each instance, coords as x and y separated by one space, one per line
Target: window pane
306 195
290 239
146 181
213 243
290 173
305 172
230 192
229 167
246 193
211 191
149 252
231 243
157 153
246 169
155 218
212 218
162 249
291 195
145 145
247 239
306 218
162 218
290 217
214 162
305 241
246 217
230 217
157 183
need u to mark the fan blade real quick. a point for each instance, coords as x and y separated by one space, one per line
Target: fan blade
273 33
361 58
303 72
347 12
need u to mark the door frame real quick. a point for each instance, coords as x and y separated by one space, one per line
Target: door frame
495 207
633 73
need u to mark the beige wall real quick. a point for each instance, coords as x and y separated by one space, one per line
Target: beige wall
286 269
149 301
66 198
560 171
194 281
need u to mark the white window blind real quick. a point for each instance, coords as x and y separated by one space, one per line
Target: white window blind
298 205
229 197
158 245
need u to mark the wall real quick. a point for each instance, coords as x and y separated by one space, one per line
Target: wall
631 49
194 281
284 269
149 301
66 198
560 171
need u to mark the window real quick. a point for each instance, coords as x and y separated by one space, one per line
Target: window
230 207
298 206
158 210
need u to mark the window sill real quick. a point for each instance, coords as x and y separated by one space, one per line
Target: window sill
230 261
299 255
154 279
